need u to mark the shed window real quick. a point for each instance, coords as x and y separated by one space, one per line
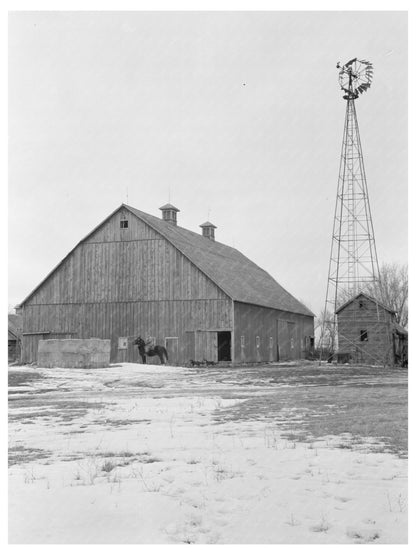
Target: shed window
361 304
363 335
124 224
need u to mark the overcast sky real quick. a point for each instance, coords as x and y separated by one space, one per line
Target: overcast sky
236 117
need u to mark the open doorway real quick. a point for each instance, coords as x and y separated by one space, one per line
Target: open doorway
224 346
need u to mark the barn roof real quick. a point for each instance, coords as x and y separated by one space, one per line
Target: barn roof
372 299
228 268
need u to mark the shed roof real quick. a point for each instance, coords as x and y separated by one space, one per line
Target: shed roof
169 207
372 299
229 269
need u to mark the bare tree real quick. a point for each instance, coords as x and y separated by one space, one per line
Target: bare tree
325 330
394 290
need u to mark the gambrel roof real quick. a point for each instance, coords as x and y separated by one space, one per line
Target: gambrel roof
228 268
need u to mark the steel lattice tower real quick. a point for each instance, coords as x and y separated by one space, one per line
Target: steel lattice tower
353 263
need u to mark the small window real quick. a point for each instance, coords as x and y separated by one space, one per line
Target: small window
124 224
242 340
257 342
363 335
361 304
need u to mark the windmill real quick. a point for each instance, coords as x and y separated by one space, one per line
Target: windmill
353 263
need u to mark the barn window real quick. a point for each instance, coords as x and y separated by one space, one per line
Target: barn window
361 304
124 224
363 335
242 340
257 342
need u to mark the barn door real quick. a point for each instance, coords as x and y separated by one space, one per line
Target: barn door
190 345
224 346
277 342
30 343
286 339
292 340
172 347
206 346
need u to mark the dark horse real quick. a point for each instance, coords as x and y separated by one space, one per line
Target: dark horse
146 351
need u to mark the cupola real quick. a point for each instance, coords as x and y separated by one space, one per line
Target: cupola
169 213
208 230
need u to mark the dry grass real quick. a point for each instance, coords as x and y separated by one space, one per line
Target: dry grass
364 403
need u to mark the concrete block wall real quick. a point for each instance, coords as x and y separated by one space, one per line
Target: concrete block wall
74 353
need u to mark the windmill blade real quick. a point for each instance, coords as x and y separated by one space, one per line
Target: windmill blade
350 62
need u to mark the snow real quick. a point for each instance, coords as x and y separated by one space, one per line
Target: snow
134 454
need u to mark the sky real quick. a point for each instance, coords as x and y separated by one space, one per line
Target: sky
235 117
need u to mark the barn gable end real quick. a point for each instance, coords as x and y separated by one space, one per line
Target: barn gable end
122 282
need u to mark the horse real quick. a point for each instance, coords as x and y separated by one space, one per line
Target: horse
147 351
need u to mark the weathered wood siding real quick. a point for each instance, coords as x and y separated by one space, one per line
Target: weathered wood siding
378 324
266 335
122 283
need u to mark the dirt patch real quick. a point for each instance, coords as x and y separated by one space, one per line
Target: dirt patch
20 455
17 378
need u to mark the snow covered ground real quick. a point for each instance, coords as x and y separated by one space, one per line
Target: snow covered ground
141 454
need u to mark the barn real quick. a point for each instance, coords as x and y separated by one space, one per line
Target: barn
137 274
368 333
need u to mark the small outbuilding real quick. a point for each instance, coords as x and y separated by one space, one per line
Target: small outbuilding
15 323
368 333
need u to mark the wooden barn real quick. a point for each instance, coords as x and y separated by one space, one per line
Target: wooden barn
368 333
136 274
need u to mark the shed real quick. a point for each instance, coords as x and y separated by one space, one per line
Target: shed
14 336
368 332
